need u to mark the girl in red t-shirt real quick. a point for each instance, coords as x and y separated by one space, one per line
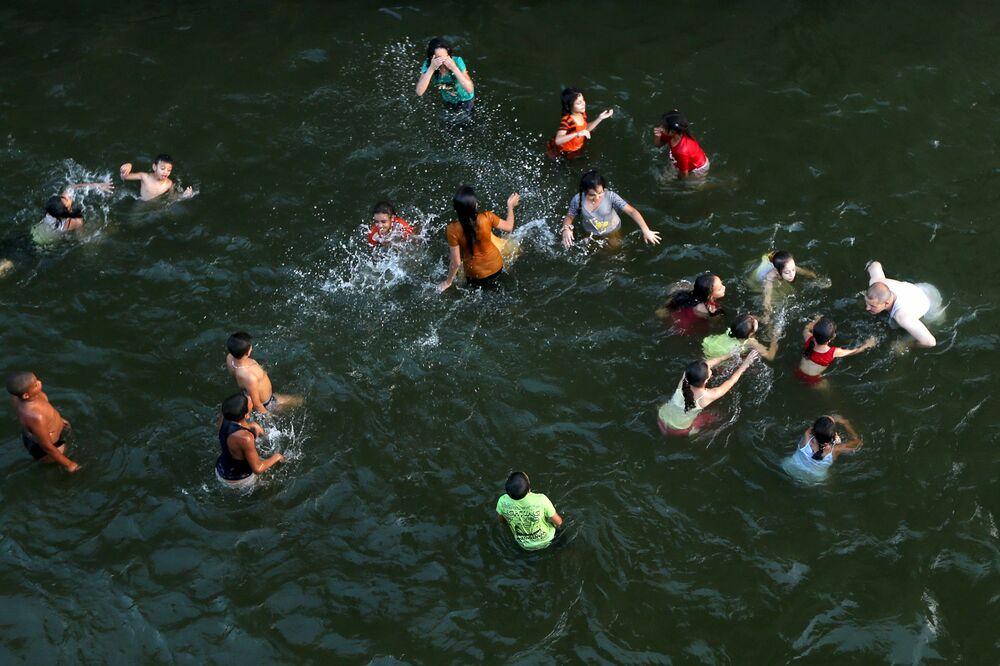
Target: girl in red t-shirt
685 152
574 128
387 226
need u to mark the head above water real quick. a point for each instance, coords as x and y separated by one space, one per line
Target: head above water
60 206
20 383
239 344
570 96
824 330
592 186
163 165
743 327
696 375
236 407
675 121
437 46
784 263
878 298
707 287
517 485
825 431
382 214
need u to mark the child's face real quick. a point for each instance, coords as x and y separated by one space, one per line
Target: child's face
67 201
441 53
162 169
384 222
595 196
718 289
788 272
579 105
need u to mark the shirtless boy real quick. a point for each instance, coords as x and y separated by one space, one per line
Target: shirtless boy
252 378
906 303
41 422
157 183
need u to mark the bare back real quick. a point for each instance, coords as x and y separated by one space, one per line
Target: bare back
39 416
250 377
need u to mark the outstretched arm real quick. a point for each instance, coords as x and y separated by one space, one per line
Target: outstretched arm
864 346
126 173
648 234
805 272
767 353
249 448
808 330
567 231
713 394
601 117
875 272
507 225
563 136
853 442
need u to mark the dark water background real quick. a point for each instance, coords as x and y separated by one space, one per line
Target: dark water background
843 132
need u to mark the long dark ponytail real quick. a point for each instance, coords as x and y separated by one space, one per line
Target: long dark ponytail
467 207
824 431
696 374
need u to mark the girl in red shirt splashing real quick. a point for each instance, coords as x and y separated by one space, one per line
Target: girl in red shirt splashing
818 353
387 226
685 152
574 128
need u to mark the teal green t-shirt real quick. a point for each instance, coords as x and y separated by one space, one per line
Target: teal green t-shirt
451 90
527 519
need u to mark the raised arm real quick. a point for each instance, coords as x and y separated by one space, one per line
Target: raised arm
875 272
853 442
648 234
102 186
712 362
601 117
35 424
713 394
767 353
808 330
126 173
660 137
462 76
507 225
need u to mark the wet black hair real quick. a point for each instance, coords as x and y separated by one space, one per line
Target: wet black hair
569 96
239 344
676 121
590 181
467 207
825 431
235 407
696 374
780 258
384 207
56 207
19 382
163 157
517 485
434 45
700 292
742 326
823 331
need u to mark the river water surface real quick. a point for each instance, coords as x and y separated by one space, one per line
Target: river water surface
843 133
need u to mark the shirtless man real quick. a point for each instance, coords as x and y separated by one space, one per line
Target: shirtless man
252 378
905 302
41 422
157 183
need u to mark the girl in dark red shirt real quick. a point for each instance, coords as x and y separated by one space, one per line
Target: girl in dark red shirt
818 353
685 152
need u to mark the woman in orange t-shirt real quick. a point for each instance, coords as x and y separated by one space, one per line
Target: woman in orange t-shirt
470 242
574 128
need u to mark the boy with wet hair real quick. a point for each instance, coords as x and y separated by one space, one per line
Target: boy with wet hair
42 425
531 517
157 183
252 378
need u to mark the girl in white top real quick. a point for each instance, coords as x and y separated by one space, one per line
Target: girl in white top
821 445
681 415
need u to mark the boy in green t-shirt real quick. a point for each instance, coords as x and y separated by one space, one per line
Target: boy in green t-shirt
531 517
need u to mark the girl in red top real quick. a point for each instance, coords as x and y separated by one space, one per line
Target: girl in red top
689 307
574 128
685 152
387 226
818 353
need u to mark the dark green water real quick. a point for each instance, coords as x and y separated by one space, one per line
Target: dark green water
843 133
